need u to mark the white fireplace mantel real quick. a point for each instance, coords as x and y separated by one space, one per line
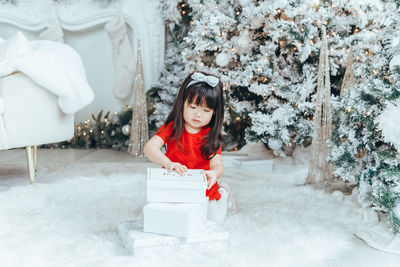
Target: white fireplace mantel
83 24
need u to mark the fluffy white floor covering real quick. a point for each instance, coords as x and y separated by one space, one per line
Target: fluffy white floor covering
71 221
380 237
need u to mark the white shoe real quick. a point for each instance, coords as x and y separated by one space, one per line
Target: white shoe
232 204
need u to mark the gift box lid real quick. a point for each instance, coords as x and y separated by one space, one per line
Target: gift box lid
193 178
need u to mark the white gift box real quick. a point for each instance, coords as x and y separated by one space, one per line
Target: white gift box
204 207
254 165
177 219
209 238
163 186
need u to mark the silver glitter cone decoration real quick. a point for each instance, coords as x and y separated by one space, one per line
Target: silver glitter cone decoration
320 172
348 79
139 127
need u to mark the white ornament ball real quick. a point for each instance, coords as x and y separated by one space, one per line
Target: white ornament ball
222 59
2 106
338 196
244 3
126 129
274 143
394 62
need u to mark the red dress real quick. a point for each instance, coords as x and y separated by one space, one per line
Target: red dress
191 154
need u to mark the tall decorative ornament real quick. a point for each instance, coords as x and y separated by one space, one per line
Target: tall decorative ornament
348 78
320 172
139 126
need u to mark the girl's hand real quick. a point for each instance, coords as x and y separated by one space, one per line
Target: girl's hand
179 168
211 178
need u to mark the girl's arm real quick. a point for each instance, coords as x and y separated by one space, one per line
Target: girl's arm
152 150
216 170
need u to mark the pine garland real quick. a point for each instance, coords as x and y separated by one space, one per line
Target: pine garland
102 131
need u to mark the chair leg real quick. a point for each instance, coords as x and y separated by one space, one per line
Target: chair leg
35 154
31 167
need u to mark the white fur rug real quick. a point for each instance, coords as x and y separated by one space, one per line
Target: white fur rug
71 221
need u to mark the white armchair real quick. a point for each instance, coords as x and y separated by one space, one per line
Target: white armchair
30 116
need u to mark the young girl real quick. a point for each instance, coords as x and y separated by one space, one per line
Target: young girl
193 135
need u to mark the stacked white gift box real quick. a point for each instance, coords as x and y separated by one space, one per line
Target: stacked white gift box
177 204
175 217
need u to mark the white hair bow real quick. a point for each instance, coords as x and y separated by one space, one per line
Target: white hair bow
200 77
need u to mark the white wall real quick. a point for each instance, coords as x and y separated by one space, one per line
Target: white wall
83 25
95 49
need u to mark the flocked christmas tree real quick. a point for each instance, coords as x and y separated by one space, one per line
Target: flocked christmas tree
359 150
289 96
266 53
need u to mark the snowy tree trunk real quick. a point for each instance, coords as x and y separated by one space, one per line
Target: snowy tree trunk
320 172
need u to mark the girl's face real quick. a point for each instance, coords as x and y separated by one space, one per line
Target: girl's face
196 117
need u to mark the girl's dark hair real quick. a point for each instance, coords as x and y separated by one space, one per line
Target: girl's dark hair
199 93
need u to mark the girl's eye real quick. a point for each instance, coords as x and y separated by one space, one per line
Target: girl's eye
207 110
192 107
